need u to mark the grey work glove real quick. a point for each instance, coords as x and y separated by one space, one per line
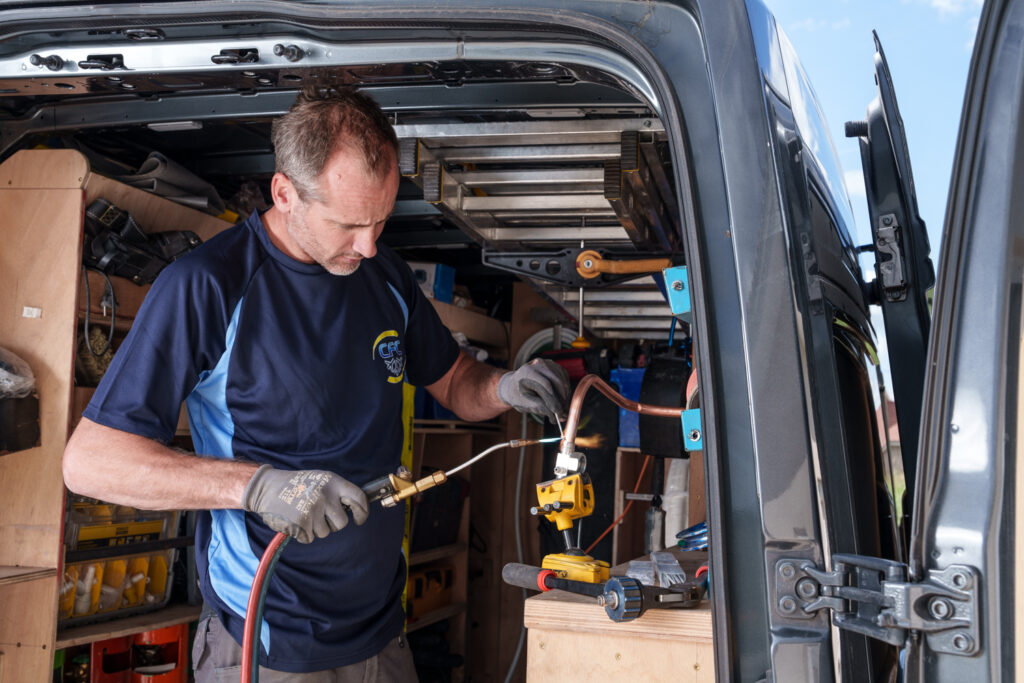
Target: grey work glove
305 504
540 387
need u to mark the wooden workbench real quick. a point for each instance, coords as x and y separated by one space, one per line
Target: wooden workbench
572 639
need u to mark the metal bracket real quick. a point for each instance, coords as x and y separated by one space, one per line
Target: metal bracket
243 55
559 267
677 284
890 270
693 437
873 596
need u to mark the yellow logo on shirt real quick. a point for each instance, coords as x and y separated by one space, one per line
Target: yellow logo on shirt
388 347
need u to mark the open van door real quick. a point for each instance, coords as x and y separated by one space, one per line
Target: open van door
968 522
903 268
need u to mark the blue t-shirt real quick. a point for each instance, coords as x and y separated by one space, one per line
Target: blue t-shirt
281 362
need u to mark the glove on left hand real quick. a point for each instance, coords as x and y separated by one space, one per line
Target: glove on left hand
540 387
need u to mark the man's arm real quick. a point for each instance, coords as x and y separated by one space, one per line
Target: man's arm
127 469
470 389
476 391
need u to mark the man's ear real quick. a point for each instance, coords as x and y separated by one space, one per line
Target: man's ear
283 193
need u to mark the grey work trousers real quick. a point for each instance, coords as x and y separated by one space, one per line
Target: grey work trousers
217 658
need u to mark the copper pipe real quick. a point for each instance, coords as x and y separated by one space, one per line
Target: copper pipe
569 435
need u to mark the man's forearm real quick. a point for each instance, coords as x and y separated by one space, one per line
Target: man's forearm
127 469
472 392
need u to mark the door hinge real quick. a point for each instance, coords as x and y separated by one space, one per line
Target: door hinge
874 597
890 258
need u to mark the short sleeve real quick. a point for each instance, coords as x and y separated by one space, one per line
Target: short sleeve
173 340
430 348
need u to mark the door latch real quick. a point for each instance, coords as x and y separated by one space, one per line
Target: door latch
241 55
890 258
102 62
874 597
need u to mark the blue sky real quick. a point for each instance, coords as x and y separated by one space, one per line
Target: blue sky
928 46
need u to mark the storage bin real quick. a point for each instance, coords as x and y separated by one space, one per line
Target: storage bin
127 584
629 381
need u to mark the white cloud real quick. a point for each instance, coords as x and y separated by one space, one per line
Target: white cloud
954 7
854 181
972 28
811 24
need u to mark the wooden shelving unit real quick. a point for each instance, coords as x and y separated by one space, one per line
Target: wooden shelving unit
168 616
447 612
43 193
9 575
427 556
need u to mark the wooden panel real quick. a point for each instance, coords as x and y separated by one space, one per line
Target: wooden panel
17 574
169 616
558 610
153 213
569 657
41 232
476 327
128 295
27 613
628 540
44 168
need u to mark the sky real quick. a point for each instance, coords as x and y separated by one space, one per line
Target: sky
928 46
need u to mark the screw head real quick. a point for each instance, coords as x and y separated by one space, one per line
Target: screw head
694 435
787 570
587 263
940 608
787 604
677 285
887 220
807 588
961 580
962 642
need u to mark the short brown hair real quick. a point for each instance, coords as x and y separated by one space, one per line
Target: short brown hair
324 120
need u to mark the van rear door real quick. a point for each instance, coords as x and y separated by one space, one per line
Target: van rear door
968 521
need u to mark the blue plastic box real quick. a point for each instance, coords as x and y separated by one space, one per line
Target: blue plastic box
629 381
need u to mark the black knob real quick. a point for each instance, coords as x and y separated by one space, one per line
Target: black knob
856 129
51 62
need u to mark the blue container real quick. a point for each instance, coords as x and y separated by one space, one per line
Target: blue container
629 381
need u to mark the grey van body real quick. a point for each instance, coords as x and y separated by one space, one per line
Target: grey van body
793 455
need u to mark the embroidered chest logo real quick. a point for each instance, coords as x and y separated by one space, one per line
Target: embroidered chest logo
388 348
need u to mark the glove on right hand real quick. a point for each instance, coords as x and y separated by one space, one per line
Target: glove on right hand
305 504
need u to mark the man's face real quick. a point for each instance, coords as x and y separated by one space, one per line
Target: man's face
343 229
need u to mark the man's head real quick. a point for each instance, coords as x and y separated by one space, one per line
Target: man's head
336 177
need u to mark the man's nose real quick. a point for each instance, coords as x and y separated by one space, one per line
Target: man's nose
366 242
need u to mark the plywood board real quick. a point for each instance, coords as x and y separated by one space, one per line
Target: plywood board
573 657
153 213
39 264
26 629
478 328
557 610
44 169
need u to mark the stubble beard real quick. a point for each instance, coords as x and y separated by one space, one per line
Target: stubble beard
303 236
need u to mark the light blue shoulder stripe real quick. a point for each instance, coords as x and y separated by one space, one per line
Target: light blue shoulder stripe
230 559
401 302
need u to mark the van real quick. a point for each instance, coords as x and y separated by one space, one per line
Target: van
683 130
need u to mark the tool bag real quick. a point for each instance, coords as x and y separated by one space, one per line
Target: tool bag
115 244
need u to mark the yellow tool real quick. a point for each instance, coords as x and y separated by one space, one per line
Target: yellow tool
562 501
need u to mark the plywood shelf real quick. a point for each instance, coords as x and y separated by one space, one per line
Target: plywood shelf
169 616
425 556
18 574
477 327
436 615
454 427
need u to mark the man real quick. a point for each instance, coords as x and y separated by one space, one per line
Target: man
289 337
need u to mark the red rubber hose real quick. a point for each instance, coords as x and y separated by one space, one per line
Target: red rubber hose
254 609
